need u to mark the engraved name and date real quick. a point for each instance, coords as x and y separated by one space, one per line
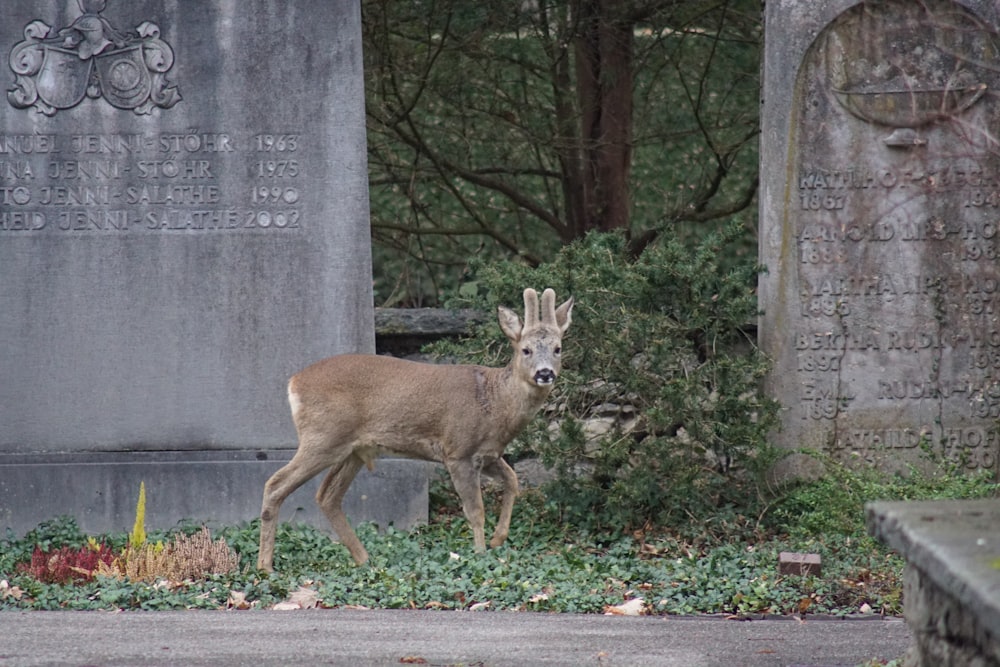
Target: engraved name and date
186 181
851 221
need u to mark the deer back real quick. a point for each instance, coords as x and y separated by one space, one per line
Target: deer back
435 411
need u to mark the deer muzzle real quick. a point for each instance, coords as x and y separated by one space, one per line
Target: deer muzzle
545 376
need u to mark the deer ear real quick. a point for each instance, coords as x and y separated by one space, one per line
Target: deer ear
510 323
564 315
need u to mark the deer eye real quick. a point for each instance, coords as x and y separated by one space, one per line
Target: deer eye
526 351
558 350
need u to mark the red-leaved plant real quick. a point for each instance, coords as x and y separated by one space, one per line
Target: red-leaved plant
68 564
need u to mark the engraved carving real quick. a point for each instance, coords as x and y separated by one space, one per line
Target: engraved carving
57 69
903 67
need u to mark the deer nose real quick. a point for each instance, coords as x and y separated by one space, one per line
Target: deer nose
545 376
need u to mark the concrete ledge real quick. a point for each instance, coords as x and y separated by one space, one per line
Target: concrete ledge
952 585
215 487
403 331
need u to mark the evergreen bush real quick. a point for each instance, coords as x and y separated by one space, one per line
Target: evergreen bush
667 337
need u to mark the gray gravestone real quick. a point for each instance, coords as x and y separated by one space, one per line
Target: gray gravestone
183 225
880 227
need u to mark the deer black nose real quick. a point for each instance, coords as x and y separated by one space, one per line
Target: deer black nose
545 376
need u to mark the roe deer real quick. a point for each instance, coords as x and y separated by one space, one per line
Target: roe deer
349 409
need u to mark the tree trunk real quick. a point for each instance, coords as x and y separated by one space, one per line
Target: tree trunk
604 85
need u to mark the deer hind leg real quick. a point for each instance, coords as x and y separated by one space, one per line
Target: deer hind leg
505 473
329 498
465 478
294 474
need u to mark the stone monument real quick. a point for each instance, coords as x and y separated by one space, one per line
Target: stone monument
183 225
880 228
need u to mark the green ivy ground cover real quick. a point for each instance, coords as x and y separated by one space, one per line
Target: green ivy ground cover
729 567
544 567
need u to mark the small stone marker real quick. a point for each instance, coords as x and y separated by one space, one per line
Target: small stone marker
880 229
800 564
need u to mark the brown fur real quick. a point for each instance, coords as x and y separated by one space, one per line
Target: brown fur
350 409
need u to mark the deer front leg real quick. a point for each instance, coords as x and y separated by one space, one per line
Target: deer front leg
465 478
502 470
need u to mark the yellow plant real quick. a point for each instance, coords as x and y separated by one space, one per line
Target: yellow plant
182 558
138 536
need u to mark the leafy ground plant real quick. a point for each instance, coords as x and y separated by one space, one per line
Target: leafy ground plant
727 565
67 564
547 565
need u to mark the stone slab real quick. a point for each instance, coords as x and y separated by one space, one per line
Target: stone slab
404 331
953 543
880 186
183 220
217 488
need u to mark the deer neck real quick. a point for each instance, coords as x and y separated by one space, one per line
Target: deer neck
501 392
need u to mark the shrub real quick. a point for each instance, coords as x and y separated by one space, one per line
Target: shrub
663 336
185 557
67 564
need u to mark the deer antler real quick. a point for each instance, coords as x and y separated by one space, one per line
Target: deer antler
530 309
549 308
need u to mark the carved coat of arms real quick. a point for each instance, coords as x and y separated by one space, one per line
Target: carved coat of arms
56 68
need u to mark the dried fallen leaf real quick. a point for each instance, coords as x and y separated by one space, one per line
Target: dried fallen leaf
412 660
302 598
647 549
434 604
237 600
633 607
538 597
480 606
6 590
305 598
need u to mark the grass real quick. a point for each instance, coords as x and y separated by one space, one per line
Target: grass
546 565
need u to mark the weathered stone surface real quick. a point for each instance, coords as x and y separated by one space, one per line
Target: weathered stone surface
183 225
222 488
952 580
879 227
166 269
403 331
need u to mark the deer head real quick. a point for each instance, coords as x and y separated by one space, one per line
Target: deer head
537 342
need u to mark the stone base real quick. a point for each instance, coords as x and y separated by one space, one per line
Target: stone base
951 594
945 632
100 490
